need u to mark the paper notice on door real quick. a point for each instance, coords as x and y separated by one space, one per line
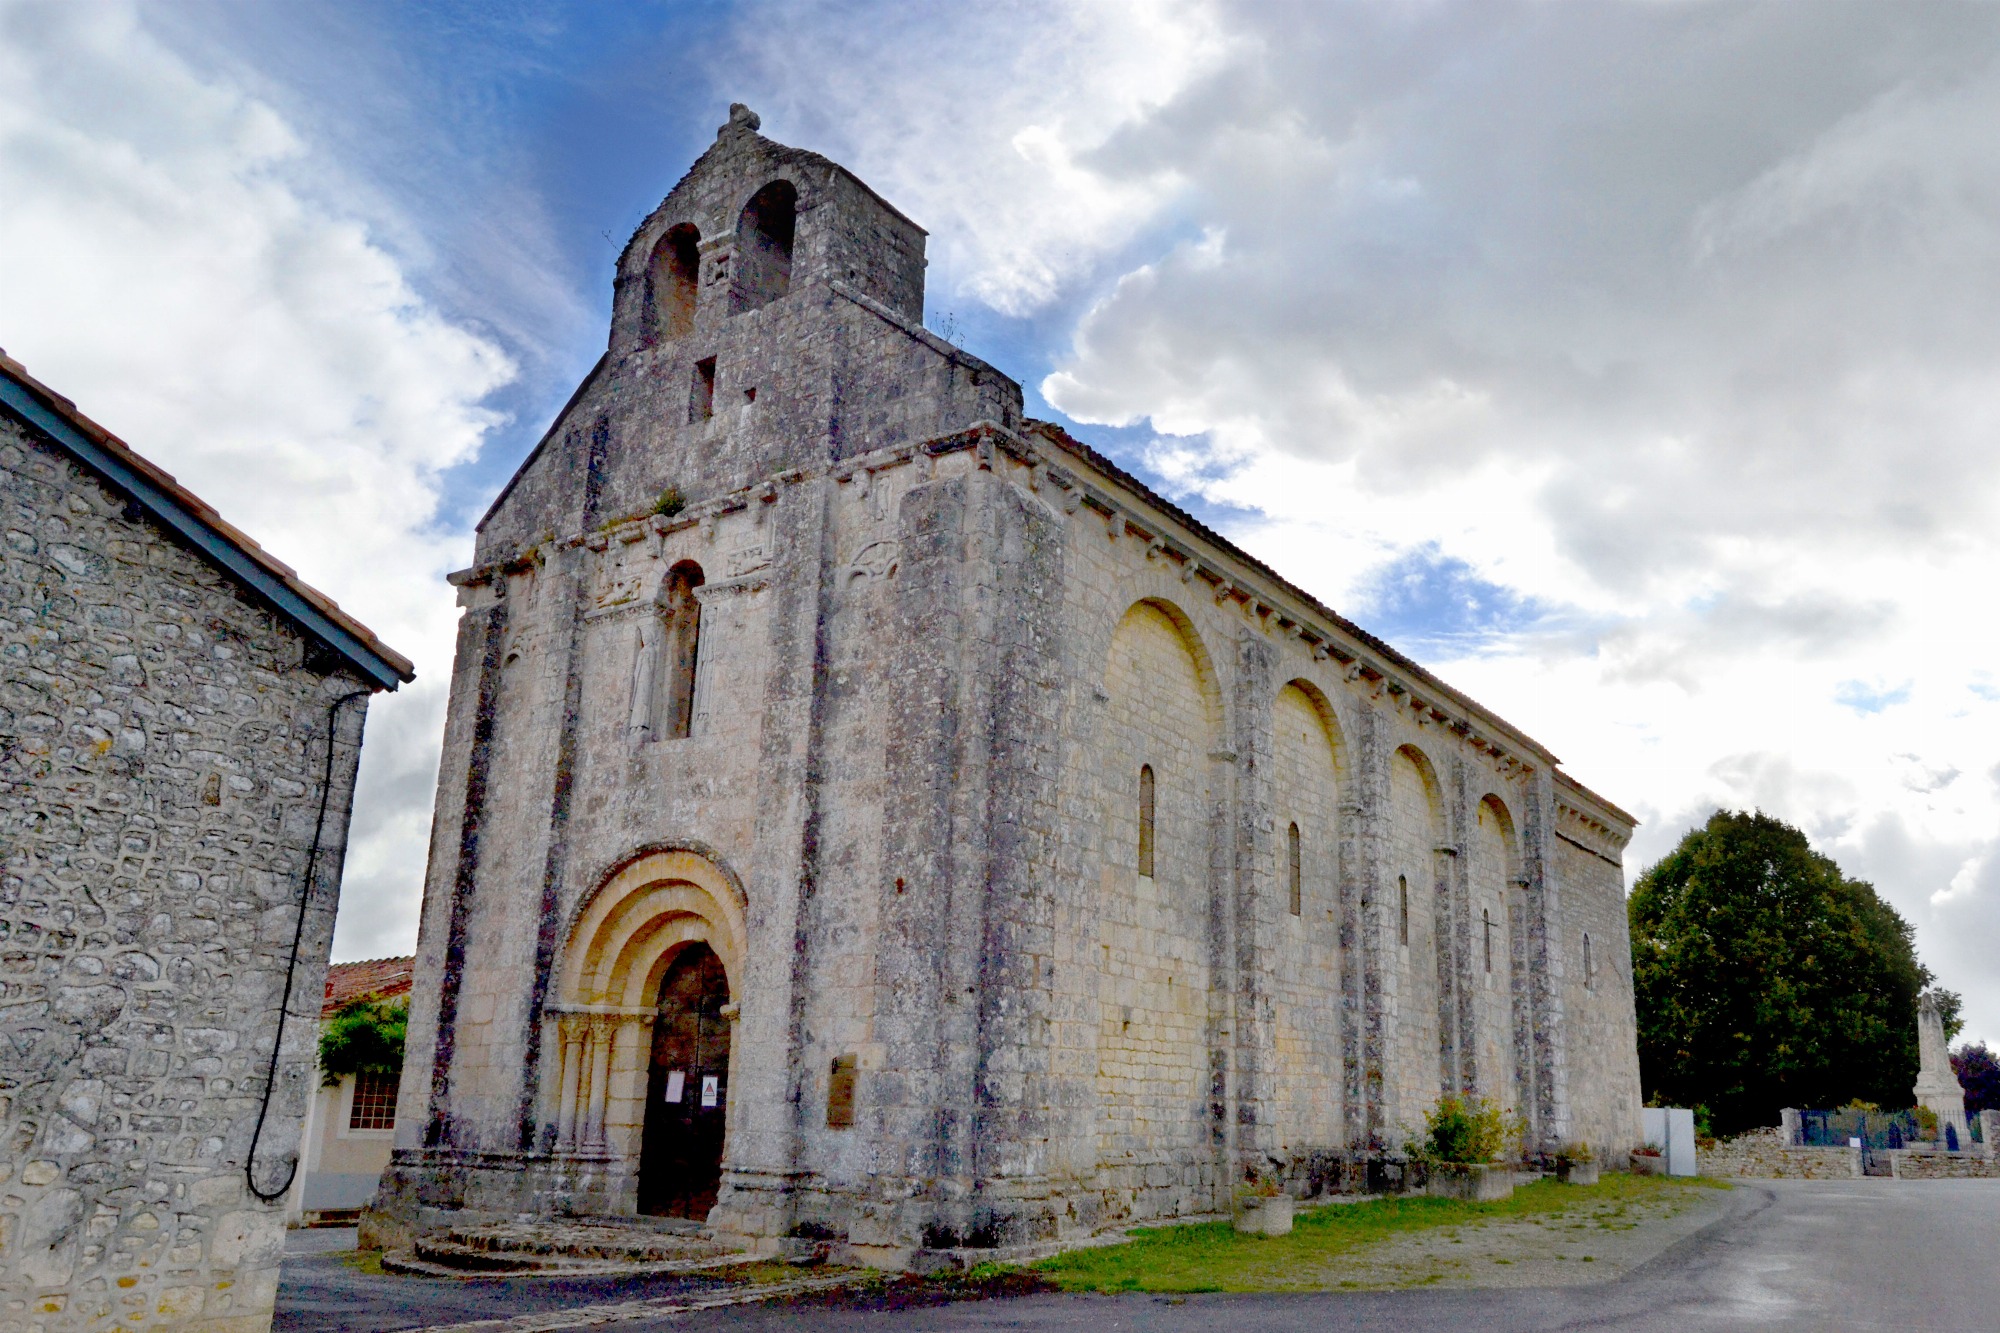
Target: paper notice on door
711 1088
676 1081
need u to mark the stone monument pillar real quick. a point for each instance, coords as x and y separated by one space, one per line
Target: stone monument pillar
1937 1086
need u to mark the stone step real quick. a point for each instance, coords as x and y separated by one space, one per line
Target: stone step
445 1252
676 1226
442 1258
582 1241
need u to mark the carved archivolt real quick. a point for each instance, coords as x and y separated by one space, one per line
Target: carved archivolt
620 946
637 921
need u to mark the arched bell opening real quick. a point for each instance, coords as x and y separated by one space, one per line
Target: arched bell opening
673 282
764 235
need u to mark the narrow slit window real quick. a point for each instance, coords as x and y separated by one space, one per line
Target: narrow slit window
1402 909
1486 921
1146 820
701 399
1292 867
1589 972
680 614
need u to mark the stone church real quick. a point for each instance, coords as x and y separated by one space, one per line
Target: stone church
870 815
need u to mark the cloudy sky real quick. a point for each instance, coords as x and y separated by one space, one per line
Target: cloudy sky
1633 365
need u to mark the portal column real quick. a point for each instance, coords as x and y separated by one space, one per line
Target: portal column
572 1081
600 1081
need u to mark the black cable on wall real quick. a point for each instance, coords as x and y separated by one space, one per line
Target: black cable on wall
292 967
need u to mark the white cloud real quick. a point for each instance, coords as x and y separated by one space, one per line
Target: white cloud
167 261
1678 317
983 120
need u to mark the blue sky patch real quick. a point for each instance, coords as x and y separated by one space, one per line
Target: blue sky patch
1432 604
1865 698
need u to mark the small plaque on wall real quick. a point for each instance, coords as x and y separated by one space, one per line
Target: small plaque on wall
840 1094
676 1080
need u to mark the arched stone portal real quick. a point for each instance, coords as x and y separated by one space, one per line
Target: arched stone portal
647 974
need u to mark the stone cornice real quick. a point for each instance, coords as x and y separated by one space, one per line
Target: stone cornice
1078 482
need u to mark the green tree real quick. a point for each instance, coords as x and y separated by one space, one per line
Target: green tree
1979 1074
363 1036
1765 978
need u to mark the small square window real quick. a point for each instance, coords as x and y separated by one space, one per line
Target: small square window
374 1105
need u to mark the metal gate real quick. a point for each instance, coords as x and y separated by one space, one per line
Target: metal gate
1878 1132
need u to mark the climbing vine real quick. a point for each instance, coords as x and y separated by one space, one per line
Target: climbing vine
363 1036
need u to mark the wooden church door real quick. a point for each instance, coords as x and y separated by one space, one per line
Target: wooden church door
680 1161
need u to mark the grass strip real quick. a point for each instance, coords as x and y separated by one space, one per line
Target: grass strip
1210 1256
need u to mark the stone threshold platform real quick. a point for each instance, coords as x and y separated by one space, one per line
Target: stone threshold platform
560 1248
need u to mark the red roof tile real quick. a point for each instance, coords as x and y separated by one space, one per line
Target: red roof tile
383 978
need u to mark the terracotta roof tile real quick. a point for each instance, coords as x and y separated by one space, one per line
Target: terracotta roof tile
384 978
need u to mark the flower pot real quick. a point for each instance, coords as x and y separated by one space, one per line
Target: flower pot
1648 1164
1257 1215
1475 1182
1576 1173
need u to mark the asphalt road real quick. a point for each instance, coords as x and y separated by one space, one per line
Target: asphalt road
1863 1254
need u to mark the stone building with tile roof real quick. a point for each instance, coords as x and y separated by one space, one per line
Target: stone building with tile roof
180 719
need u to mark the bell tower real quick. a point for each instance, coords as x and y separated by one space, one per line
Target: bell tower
767 317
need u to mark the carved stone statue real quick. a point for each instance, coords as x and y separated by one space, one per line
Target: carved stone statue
1937 1086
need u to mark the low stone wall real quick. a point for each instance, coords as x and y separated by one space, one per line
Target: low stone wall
1764 1154
1920 1164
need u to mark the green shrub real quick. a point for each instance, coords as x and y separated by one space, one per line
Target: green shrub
363 1036
1467 1129
671 502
